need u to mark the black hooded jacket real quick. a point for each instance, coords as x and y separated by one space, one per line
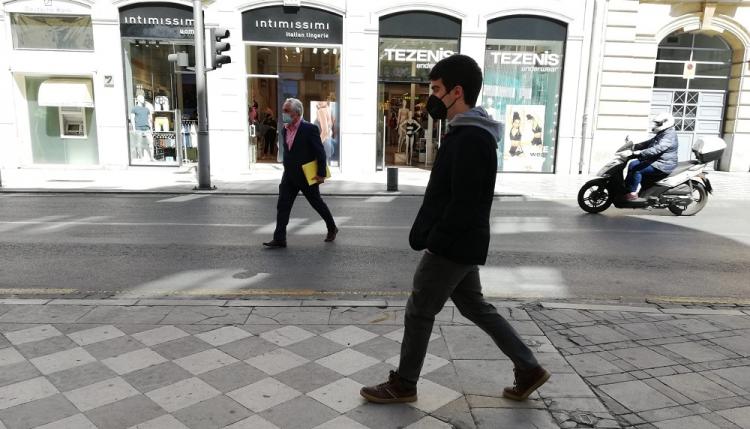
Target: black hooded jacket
454 220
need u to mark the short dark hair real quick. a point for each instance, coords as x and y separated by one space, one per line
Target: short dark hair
460 70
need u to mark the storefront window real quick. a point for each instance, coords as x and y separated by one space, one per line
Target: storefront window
522 80
161 96
410 45
60 133
55 32
162 113
408 135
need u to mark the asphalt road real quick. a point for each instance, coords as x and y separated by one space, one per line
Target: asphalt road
154 245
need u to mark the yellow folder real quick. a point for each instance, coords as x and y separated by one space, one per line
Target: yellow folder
311 170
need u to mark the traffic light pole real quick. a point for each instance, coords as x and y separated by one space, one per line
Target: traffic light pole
204 155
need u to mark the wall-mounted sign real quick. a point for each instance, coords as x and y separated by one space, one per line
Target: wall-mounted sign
292 25
534 61
109 81
157 21
425 58
410 60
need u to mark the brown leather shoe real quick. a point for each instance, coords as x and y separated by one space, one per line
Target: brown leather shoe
331 235
275 244
391 392
526 382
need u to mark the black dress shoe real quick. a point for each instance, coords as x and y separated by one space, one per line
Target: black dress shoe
275 244
331 235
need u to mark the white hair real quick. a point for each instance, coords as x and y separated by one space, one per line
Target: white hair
296 105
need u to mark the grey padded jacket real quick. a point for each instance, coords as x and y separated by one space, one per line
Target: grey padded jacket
660 151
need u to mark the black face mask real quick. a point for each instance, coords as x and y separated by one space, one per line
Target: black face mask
436 108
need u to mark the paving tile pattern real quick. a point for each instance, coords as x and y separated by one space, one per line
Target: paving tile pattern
264 367
233 366
668 368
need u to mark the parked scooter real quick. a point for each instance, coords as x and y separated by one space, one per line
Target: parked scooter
684 192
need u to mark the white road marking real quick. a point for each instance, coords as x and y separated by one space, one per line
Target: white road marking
11 225
319 227
269 228
183 198
59 226
379 199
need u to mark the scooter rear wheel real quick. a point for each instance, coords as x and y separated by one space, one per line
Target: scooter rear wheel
594 196
700 198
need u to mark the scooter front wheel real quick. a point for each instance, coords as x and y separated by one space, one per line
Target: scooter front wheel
699 197
594 196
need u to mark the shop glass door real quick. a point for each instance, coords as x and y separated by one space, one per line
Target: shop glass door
310 74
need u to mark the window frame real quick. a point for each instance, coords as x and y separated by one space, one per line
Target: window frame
14 37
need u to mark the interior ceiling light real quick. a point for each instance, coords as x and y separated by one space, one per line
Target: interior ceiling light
335 51
296 49
315 50
325 51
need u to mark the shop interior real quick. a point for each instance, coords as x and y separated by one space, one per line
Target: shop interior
275 73
406 131
161 102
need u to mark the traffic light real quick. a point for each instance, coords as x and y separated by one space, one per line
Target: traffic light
180 58
217 59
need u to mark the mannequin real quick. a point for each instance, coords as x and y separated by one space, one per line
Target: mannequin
404 114
141 124
326 128
411 129
491 108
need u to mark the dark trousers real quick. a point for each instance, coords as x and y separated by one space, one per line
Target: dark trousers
437 279
288 190
642 171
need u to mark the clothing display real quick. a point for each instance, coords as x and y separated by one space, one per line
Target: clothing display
141 117
411 127
161 123
161 103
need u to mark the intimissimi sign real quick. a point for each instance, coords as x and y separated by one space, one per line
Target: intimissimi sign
157 21
292 25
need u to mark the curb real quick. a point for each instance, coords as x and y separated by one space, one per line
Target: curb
377 303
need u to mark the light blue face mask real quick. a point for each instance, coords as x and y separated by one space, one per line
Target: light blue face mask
286 118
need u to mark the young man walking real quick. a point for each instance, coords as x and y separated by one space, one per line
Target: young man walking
453 229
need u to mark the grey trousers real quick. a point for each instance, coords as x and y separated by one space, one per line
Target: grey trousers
436 280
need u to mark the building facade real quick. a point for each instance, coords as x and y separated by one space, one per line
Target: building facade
89 84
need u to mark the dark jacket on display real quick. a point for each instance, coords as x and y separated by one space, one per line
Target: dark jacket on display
454 220
306 147
660 151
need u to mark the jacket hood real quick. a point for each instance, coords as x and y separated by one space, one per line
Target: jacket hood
478 117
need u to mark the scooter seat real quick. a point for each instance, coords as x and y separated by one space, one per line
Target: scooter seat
683 166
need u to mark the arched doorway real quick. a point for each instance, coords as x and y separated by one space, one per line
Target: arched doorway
691 81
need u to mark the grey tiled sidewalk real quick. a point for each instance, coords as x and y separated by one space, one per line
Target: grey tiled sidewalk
296 364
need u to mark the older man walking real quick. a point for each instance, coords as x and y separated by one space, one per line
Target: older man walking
300 144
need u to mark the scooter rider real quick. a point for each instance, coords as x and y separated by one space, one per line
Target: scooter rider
656 158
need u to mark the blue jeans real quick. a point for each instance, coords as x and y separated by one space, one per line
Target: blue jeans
637 171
